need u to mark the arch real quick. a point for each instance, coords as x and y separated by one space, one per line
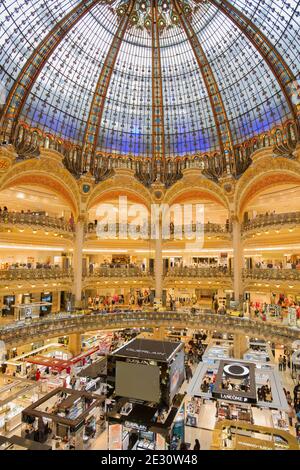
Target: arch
264 173
120 184
44 173
196 184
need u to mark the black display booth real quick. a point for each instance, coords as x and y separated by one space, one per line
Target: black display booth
145 377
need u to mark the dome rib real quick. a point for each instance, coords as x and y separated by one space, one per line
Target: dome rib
215 98
276 63
21 89
97 106
158 135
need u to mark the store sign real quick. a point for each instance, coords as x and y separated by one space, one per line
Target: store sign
236 370
226 396
235 381
138 427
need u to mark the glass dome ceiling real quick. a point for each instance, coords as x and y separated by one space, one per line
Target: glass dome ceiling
181 79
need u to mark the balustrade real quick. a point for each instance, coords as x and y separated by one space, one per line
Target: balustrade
21 332
108 271
35 274
262 221
35 219
190 271
270 274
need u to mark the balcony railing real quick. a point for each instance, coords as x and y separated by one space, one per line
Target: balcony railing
31 219
21 332
118 272
144 231
190 271
35 274
262 221
270 274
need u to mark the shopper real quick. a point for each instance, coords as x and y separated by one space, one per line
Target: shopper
183 446
284 362
280 362
291 414
197 445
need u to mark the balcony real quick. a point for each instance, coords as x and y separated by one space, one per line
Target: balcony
118 272
35 274
198 272
35 220
114 230
263 221
272 274
19 333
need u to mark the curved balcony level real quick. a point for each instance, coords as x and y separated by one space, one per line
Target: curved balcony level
195 272
35 274
36 221
272 274
271 220
115 272
18 334
144 231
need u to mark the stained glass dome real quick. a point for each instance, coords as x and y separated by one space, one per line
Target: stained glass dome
150 76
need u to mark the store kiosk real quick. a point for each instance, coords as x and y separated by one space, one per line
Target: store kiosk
145 376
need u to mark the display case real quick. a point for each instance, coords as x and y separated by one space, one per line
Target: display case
280 420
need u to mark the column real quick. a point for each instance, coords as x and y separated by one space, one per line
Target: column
240 346
158 264
238 259
77 261
75 344
159 333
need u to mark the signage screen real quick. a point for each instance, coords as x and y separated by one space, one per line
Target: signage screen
139 381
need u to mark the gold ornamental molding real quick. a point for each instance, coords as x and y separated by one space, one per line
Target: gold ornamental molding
45 172
264 172
122 183
193 181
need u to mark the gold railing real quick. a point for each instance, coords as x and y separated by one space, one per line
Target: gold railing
118 272
34 220
190 271
262 221
272 274
35 274
144 231
57 325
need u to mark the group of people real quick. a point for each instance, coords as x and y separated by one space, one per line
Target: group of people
282 363
278 265
264 393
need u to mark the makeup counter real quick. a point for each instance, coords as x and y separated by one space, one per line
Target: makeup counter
66 419
236 390
15 395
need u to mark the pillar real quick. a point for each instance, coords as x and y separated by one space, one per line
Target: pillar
75 344
77 262
55 302
159 333
158 264
240 345
238 259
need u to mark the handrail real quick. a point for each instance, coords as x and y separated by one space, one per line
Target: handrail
42 273
265 220
57 325
269 274
118 272
190 271
144 230
30 218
